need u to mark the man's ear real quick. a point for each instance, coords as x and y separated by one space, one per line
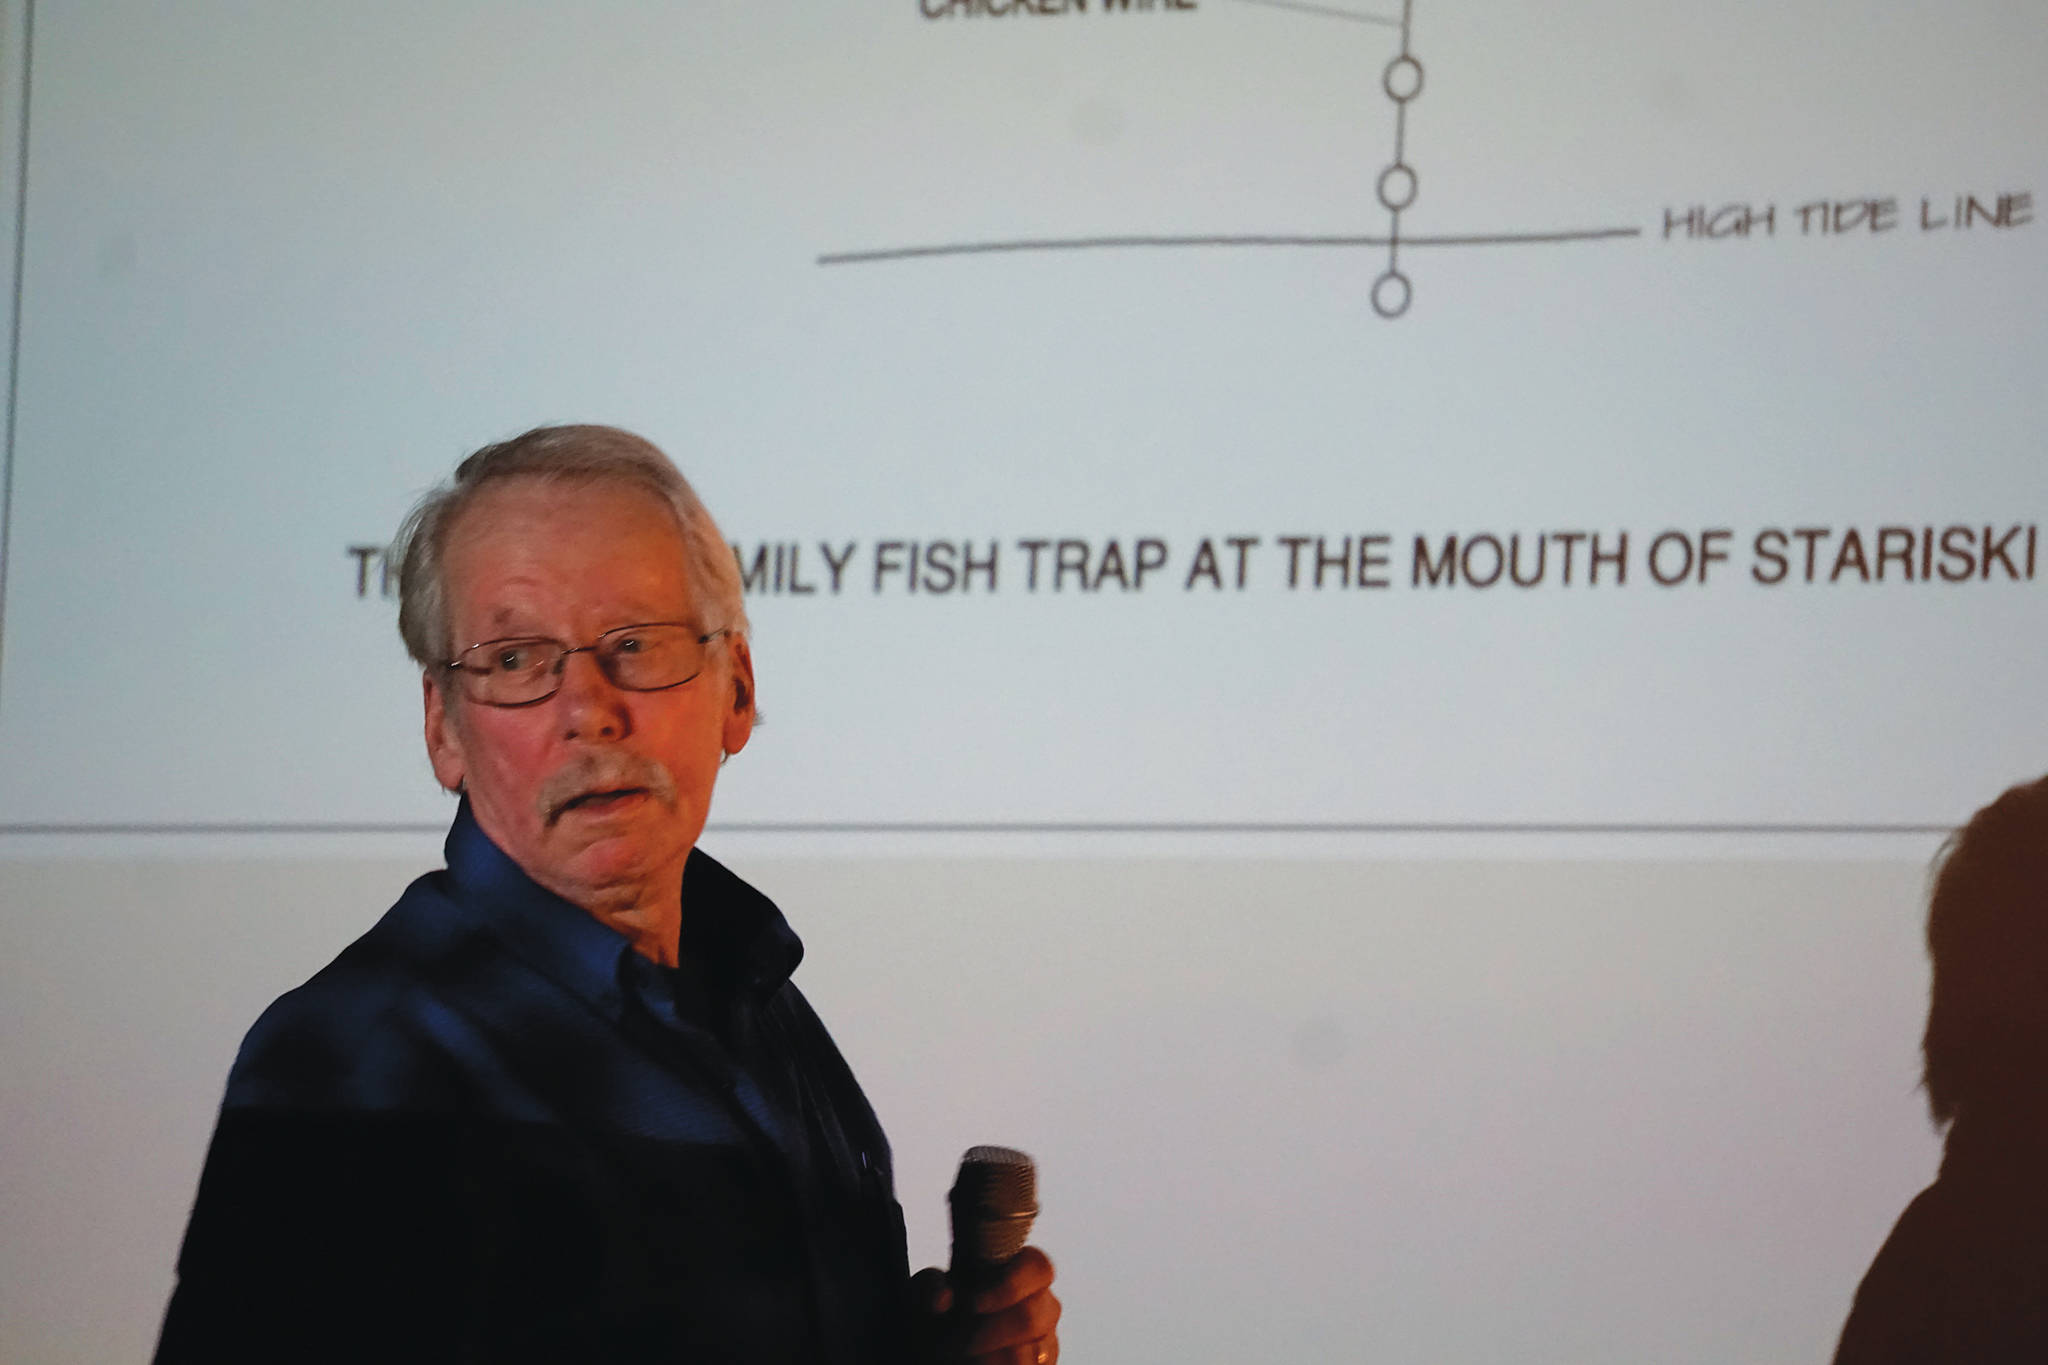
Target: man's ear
739 716
444 745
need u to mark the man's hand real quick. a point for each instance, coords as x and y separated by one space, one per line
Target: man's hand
1013 1321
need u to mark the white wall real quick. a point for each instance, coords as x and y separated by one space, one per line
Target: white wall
1308 1110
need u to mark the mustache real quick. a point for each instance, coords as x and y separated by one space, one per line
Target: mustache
592 773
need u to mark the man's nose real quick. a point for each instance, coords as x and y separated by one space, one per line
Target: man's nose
591 705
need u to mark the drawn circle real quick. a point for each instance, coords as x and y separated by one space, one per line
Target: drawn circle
1402 80
1397 186
1390 294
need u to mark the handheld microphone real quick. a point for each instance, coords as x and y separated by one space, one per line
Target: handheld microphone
994 1199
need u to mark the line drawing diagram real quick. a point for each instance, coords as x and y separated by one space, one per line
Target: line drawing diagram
1397 187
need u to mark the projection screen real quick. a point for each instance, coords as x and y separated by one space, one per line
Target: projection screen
1367 611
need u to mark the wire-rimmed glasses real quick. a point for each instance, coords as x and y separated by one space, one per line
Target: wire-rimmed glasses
526 669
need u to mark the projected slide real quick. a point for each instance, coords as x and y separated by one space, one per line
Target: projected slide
1396 185
1366 608
1196 415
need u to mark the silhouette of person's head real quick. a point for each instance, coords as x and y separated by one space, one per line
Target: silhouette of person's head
1986 1047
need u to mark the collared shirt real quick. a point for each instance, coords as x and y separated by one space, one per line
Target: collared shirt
491 1130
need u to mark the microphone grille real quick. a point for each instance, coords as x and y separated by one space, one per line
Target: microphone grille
996 1196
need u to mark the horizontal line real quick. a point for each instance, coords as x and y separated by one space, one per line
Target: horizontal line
1304 827
1328 11
312 827
907 253
1060 827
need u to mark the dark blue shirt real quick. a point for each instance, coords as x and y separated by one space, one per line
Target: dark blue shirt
490 1130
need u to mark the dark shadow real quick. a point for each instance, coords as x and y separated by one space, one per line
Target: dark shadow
1964 1275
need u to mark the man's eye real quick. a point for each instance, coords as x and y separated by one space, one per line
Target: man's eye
514 658
628 644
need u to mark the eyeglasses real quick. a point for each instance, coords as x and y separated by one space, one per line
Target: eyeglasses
528 669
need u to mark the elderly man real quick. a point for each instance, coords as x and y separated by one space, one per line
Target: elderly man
563 1103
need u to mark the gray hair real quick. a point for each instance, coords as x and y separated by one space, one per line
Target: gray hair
573 454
